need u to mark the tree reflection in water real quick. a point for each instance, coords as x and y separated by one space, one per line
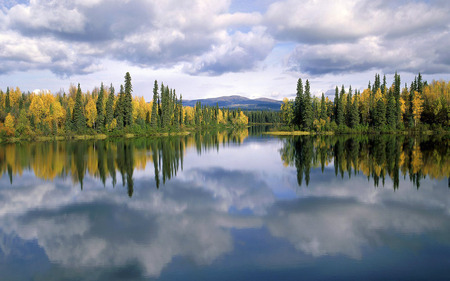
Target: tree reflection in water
103 158
375 156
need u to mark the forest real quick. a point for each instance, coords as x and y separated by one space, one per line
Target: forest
101 111
380 108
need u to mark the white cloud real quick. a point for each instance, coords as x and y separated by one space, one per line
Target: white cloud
222 38
238 52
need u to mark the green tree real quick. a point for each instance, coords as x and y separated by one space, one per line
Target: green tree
340 119
397 89
323 108
391 117
154 119
128 101
307 111
23 124
100 123
120 112
380 114
298 103
7 101
109 106
79 120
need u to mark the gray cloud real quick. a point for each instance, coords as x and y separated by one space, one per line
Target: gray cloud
146 33
353 36
205 38
239 52
409 54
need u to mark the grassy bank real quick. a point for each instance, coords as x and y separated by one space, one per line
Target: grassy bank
127 133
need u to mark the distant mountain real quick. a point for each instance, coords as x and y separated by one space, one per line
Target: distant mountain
238 102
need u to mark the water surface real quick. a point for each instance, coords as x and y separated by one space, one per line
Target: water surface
226 206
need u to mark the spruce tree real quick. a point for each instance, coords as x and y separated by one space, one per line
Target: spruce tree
323 108
154 118
79 121
162 104
398 112
120 112
128 101
109 106
419 84
340 110
180 108
391 112
298 103
348 108
380 114
69 122
100 113
307 111
336 104
7 101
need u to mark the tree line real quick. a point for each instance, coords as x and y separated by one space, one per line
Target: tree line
103 111
378 107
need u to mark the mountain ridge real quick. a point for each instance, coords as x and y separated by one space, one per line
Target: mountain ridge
237 101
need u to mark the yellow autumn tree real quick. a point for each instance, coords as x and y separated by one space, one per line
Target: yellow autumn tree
9 121
56 113
36 108
364 107
417 107
189 114
220 118
91 113
287 112
111 126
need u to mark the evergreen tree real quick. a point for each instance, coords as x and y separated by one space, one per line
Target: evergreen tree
119 112
79 121
380 114
162 104
348 108
181 110
128 102
7 101
154 119
307 111
69 122
323 108
336 103
419 84
340 120
100 112
298 103
109 106
397 86
391 112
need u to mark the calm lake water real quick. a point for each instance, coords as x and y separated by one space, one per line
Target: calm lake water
226 206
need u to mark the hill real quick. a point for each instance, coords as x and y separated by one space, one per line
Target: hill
238 102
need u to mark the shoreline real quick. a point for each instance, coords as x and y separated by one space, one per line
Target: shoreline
332 133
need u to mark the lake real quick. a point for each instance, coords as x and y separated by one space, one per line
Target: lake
234 205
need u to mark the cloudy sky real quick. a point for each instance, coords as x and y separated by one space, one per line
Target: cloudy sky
207 48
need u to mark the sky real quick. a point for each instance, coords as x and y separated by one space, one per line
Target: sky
210 48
